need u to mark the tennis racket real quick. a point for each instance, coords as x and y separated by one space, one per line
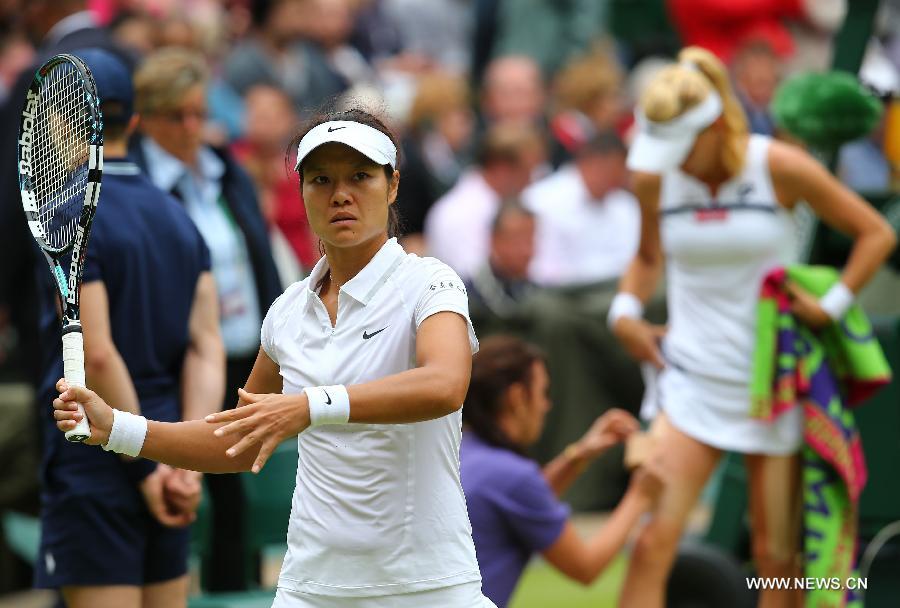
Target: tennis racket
60 158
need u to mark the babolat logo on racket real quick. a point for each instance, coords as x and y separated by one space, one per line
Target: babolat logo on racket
26 139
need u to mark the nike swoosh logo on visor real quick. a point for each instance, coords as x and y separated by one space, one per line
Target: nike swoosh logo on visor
333 129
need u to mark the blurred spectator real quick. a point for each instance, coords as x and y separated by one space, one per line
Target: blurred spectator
588 224
723 26
269 126
438 30
457 229
549 31
275 54
219 196
440 130
586 100
16 54
329 24
136 31
513 91
501 285
863 164
756 71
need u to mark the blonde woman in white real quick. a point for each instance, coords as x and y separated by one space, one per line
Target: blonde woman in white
714 202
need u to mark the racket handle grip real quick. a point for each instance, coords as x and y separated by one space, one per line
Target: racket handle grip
73 371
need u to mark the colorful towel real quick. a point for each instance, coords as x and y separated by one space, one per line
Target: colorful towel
826 372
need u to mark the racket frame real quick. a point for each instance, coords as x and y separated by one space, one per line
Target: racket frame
67 288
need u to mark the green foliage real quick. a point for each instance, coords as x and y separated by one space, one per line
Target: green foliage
825 110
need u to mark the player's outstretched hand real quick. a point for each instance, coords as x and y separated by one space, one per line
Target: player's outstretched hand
265 420
65 411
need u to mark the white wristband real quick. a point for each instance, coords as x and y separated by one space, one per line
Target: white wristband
624 305
127 434
837 301
328 404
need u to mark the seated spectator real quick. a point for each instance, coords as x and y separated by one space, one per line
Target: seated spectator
586 101
756 71
502 283
277 55
513 504
457 229
440 130
269 124
864 165
588 224
513 90
328 24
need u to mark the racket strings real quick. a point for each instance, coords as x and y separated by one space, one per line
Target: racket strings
60 154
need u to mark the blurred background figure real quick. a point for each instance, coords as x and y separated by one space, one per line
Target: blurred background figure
457 228
276 54
756 71
864 165
219 196
513 91
269 125
328 24
587 99
588 223
435 148
514 503
501 286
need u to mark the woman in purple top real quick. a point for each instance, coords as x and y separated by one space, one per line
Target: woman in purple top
513 504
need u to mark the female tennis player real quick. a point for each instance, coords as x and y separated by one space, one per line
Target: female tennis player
714 203
368 361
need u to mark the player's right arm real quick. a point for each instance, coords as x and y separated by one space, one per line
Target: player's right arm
185 445
640 279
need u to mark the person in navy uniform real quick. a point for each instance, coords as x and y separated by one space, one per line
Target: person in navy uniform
152 345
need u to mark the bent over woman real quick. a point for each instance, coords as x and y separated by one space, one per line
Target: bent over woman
713 205
368 361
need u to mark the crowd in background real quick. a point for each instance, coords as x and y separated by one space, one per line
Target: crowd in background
515 116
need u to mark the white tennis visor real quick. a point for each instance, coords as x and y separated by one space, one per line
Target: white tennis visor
662 146
366 140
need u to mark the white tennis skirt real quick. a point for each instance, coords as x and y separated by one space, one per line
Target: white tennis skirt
467 595
717 413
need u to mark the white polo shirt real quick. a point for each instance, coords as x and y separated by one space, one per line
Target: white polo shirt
378 509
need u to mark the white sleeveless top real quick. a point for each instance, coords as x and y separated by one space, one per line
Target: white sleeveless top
717 252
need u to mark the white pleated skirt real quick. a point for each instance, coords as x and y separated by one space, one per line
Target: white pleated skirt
717 413
467 595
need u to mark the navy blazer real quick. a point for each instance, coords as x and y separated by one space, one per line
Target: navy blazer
240 196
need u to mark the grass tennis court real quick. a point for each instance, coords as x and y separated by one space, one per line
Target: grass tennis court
543 586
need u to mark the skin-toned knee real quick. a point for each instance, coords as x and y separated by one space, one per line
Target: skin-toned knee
656 545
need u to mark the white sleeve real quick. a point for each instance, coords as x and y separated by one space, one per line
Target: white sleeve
267 331
444 291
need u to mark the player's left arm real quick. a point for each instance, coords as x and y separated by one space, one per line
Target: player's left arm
797 176
436 387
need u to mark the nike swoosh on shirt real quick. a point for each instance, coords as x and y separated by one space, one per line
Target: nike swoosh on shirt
366 336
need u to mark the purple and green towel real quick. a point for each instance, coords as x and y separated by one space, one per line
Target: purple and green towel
826 372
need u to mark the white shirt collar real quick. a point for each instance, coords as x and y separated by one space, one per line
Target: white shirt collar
166 170
368 280
81 20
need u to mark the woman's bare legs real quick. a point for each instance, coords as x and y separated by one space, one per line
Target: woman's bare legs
686 466
775 497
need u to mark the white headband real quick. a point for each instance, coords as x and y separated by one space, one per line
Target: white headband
366 140
662 146
693 121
